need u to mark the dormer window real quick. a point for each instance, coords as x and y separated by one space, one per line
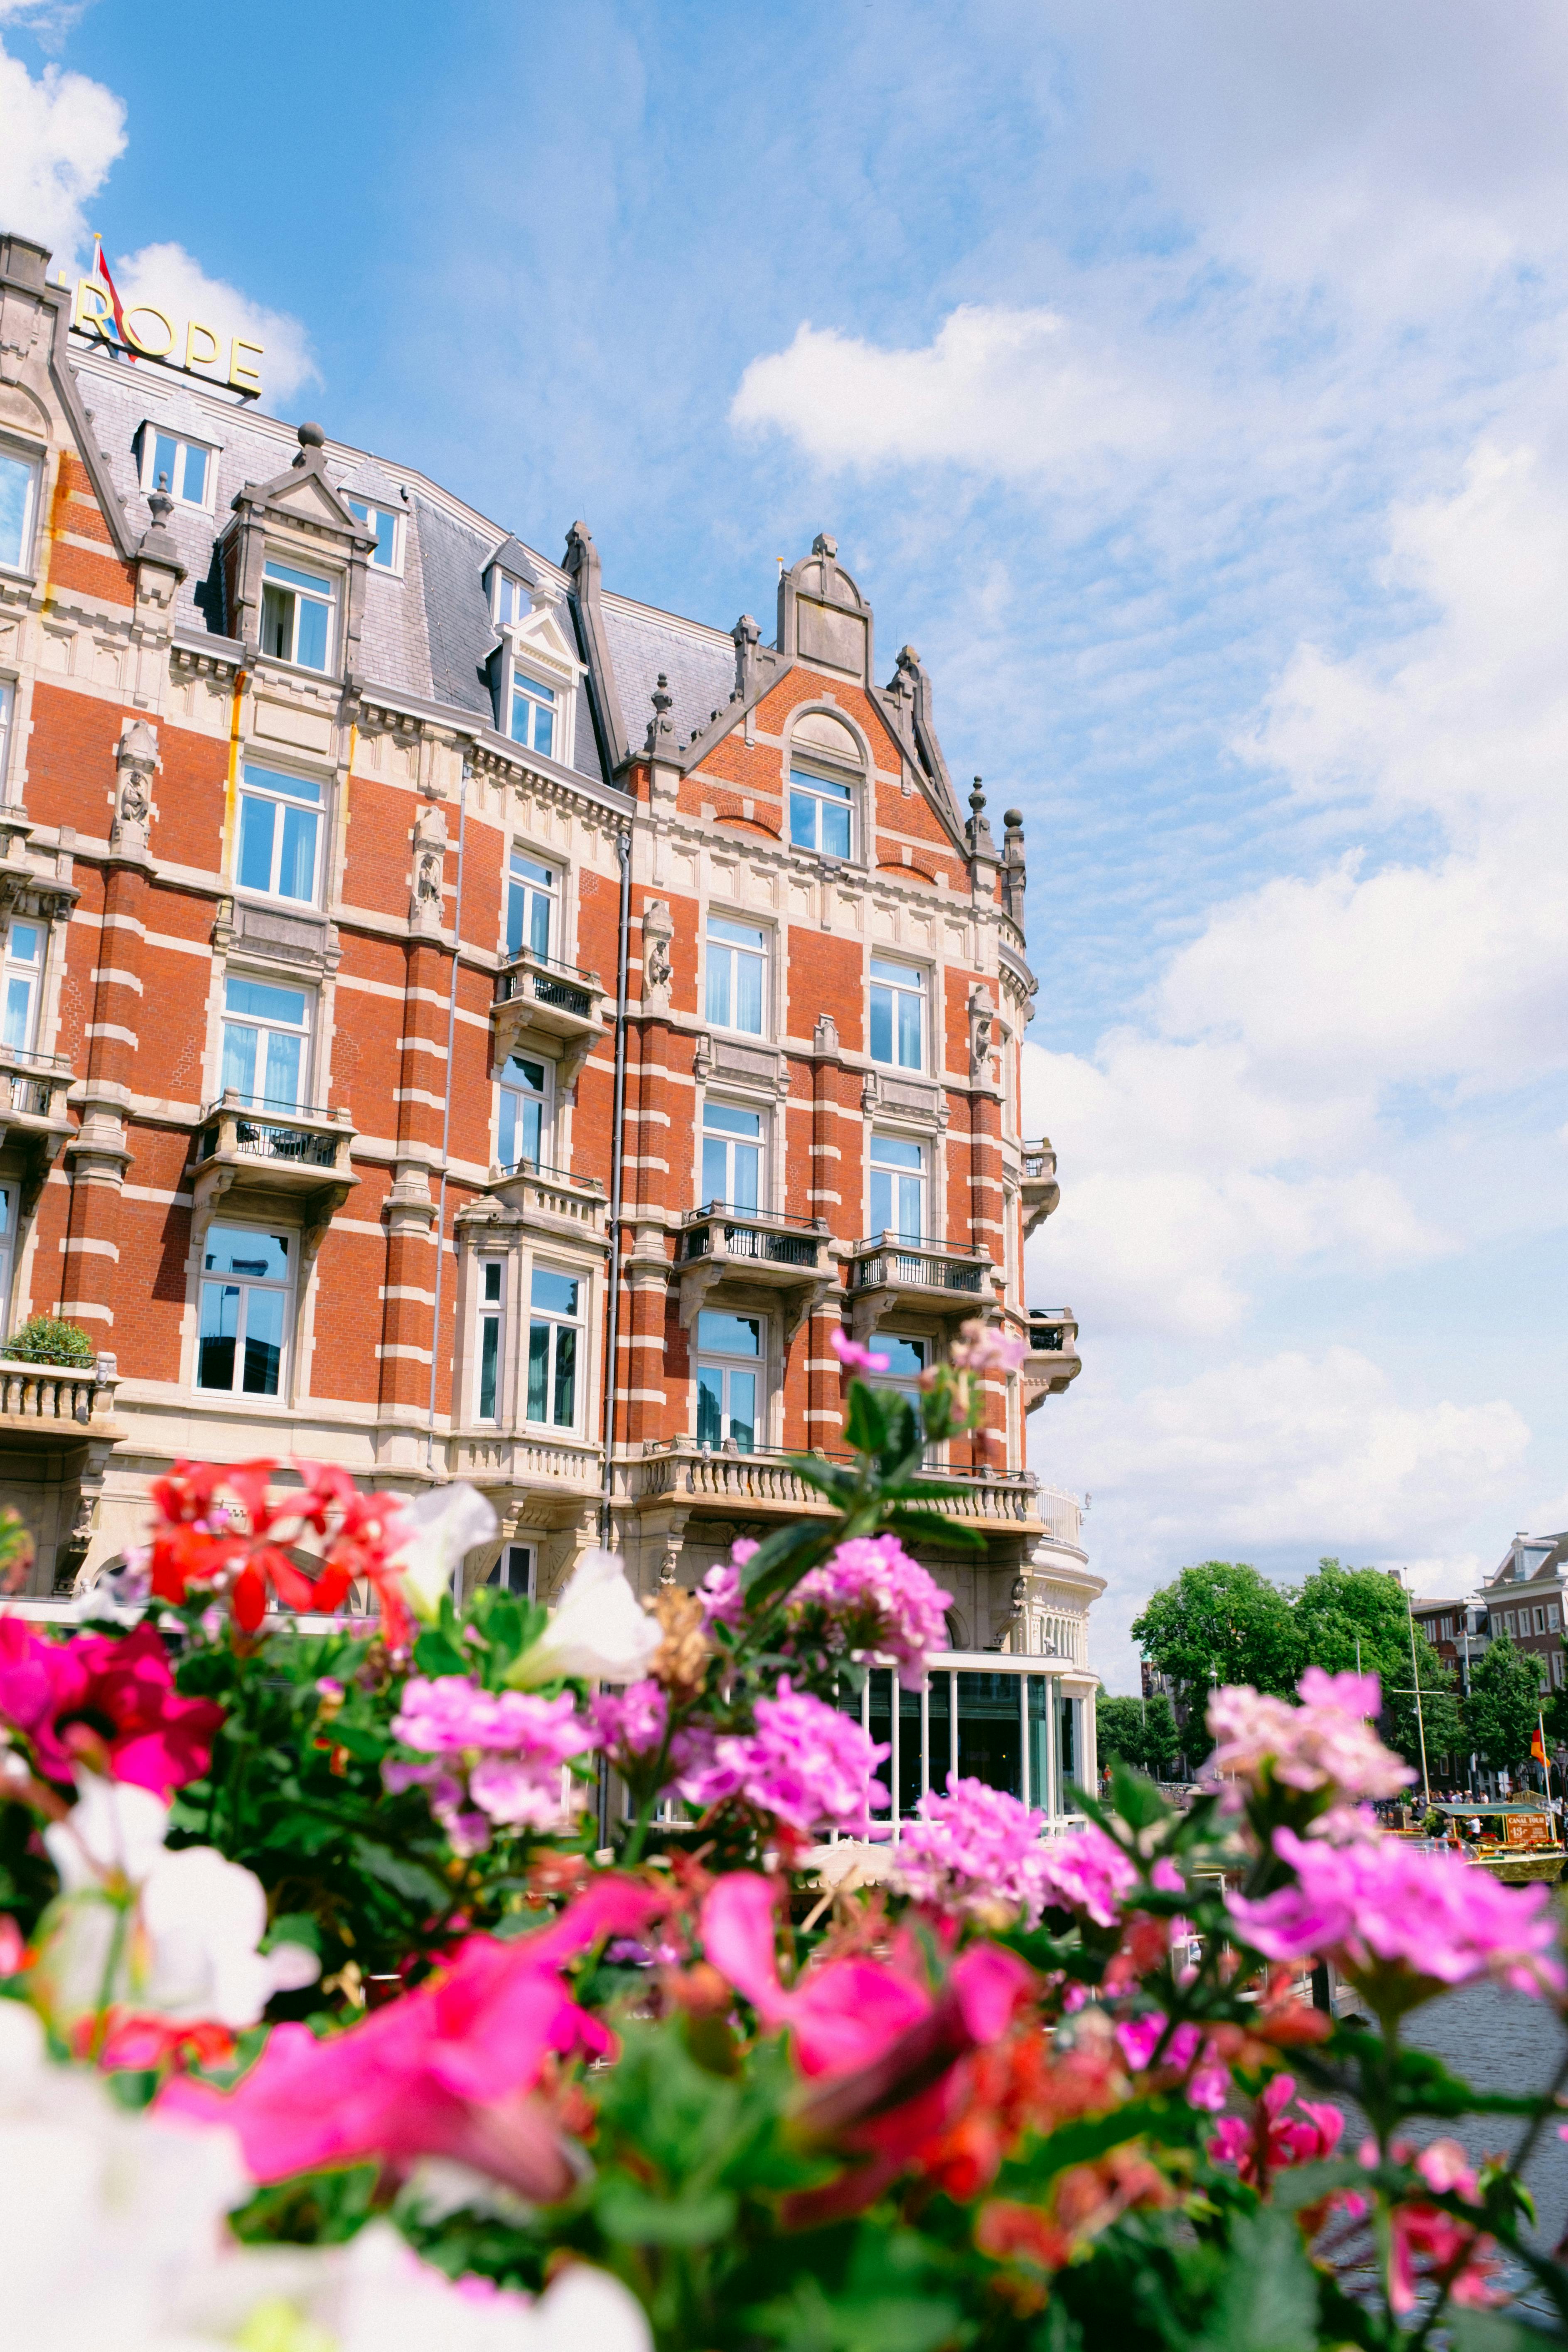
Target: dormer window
295 615
386 524
532 712
186 469
511 598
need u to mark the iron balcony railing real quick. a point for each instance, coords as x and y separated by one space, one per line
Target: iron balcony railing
542 1168
30 1081
564 985
292 1135
1048 1329
751 1233
921 1263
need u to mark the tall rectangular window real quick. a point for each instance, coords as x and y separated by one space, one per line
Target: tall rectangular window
265 1030
244 1305
185 468
533 713
898 1014
7 1244
493 1286
524 1114
898 1186
732 1156
20 975
383 521
7 709
555 1347
531 890
295 615
279 835
511 598
906 1360
515 1570
737 973
820 814
19 502
728 1371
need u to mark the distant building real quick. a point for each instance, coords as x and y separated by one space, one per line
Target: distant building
1524 1598
1458 1631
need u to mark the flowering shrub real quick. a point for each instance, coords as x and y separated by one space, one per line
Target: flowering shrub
471 1977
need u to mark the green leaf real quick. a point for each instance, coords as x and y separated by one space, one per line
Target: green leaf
1268 2299
932 1528
637 2218
1136 1798
866 1423
400 1871
434 1653
294 1927
783 1558
1495 2331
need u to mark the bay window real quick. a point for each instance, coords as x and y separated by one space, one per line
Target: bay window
245 1294
728 1376
555 1347
279 835
492 1314
295 614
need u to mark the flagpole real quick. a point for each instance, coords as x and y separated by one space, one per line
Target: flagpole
1420 1720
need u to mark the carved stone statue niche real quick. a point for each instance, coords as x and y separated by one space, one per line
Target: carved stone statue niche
136 764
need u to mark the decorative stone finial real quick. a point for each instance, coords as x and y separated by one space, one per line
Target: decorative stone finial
980 841
660 730
311 436
825 544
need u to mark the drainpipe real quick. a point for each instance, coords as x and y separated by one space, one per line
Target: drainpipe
447 1119
617 1164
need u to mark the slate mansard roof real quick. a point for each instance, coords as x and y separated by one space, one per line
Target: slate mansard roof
427 635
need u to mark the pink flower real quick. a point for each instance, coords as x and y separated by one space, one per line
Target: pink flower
723 1602
890 2052
1207 2084
502 1754
630 1723
983 1347
853 1356
1383 1904
1087 1871
881 1600
805 1763
970 1850
1309 2136
112 1694
1425 2233
446 2070
1325 1743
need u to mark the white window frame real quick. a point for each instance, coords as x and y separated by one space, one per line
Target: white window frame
152 434
259 783
267 1025
295 572
706 1357
7 712
368 513
1538 1620
897 1173
916 987
825 791
727 954
540 694
14 968
557 1321
246 1284
706 1199
489 1332
544 1096
531 879
33 466
10 1212
507 589
516 1571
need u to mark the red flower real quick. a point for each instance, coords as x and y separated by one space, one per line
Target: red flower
196 1540
107 1696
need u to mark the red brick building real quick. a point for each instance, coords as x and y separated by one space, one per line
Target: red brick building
430 977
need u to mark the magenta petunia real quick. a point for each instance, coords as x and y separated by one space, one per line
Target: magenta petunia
67 1698
805 1763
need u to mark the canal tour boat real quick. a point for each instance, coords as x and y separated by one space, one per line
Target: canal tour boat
1518 1842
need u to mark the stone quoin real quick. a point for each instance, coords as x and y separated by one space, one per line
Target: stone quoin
432 978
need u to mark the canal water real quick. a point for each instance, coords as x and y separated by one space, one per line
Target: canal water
1499 2041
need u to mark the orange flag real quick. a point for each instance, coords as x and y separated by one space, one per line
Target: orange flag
1537 1745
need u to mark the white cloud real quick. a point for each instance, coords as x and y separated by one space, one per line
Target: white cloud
61 133
170 277
1015 393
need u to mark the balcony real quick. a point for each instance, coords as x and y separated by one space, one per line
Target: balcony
50 1408
552 1197
765 1485
1053 1361
1039 1188
536 998
33 1088
264 1154
560 1470
754 1250
892 1270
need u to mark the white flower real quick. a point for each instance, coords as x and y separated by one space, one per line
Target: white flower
447 1522
112 2239
600 1628
139 1928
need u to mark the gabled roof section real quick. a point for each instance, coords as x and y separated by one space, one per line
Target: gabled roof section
513 557
305 491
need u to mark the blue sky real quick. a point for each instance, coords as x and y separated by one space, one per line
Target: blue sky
1186 383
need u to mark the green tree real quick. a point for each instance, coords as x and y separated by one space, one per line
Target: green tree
1220 1623
1504 1701
1142 1732
1345 1613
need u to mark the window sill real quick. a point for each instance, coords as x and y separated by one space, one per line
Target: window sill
300 669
